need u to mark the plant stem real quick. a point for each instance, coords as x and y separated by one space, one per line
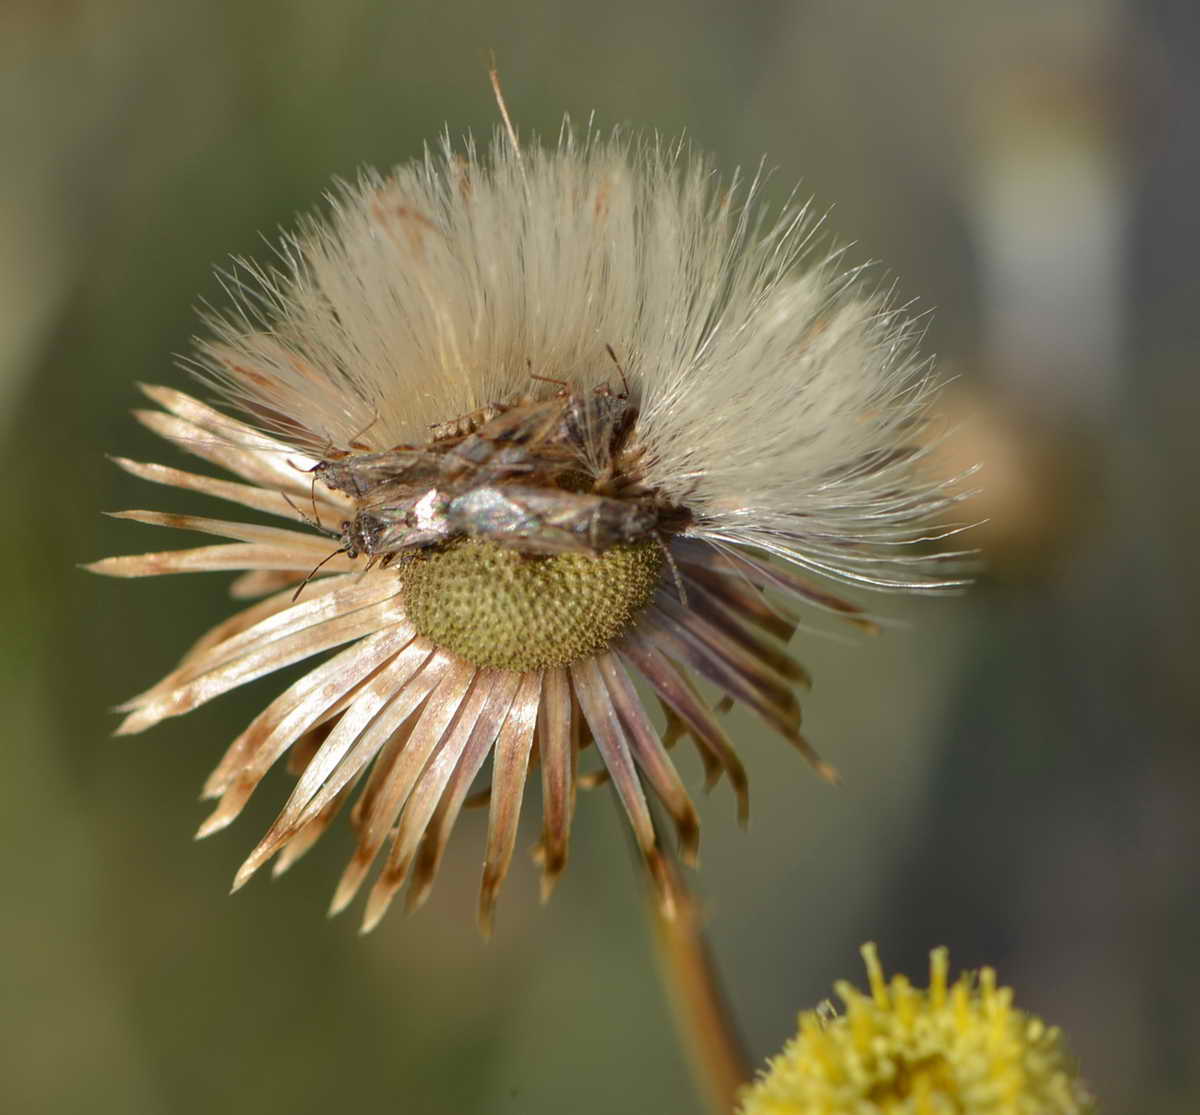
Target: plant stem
701 1009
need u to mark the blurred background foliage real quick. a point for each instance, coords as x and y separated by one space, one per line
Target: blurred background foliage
1020 763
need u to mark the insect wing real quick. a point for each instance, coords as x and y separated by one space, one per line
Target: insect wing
358 475
543 520
526 424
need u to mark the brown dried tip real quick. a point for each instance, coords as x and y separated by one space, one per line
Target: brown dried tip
398 729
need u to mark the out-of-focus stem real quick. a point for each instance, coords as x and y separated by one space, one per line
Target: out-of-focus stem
701 1010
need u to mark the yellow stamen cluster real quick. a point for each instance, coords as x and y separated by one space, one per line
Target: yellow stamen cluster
954 1049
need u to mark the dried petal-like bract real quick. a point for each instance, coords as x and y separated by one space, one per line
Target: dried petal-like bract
538 420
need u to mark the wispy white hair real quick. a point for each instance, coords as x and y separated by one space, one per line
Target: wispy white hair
780 401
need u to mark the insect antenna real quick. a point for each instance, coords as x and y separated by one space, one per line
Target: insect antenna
624 381
566 387
315 570
548 379
315 521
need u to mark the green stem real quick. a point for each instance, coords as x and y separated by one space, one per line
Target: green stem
702 1015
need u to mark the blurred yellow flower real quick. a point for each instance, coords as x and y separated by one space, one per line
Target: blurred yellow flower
954 1049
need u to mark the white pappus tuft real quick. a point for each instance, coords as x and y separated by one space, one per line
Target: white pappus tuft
779 401
548 401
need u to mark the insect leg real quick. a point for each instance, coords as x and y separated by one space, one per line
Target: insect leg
675 576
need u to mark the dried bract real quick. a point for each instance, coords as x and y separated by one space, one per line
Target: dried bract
572 413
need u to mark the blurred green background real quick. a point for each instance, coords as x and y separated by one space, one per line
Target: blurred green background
1020 763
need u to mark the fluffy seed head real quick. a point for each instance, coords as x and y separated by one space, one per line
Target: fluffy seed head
562 400
777 398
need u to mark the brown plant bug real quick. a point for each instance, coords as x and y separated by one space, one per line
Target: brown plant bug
549 476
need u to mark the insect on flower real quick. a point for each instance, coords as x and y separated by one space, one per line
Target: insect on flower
516 475
532 540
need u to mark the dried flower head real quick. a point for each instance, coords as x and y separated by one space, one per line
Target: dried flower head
558 406
959 1049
